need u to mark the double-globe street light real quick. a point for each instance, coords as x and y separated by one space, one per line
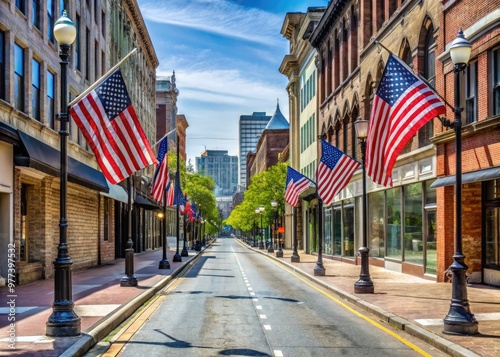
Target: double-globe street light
364 285
459 320
63 321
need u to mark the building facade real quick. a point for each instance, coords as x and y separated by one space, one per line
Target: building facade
29 139
250 129
222 168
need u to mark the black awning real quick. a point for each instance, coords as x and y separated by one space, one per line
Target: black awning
45 158
143 202
475 176
8 134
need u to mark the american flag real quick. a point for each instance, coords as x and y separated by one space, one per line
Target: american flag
179 198
110 125
161 178
296 183
402 105
334 172
170 194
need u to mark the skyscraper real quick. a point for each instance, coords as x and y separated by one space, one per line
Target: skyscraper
251 127
222 168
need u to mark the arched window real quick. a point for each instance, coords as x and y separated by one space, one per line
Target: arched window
354 139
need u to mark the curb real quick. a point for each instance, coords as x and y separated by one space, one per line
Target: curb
102 328
392 319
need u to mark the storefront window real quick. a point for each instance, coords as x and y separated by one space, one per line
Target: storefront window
393 234
413 244
337 230
348 228
376 236
328 231
492 224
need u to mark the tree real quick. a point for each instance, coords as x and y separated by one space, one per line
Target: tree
266 186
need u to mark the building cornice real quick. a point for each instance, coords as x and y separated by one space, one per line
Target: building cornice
333 12
141 30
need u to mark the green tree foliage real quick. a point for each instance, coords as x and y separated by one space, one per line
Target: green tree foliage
265 187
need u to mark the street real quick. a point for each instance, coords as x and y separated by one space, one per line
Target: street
235 301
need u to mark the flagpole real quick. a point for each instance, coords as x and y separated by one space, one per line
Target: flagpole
100 80
177 256
163 137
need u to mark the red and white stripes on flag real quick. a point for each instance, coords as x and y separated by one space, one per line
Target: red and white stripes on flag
110 125
296 183
402 105
161 177
334 172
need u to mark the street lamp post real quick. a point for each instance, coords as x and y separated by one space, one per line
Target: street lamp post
255 230
364 285
164 264
261 243
274 204
295 255
63 321
460 320
279 253
184 252
319 269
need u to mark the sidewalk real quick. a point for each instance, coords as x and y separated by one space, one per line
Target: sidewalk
413 304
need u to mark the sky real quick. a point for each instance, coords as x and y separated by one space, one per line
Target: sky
226 56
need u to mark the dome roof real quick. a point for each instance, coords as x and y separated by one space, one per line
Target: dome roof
278 121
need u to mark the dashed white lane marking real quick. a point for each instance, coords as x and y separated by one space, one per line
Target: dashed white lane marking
278 353
252 294
258 307
250 289
267 327
263 317
255 299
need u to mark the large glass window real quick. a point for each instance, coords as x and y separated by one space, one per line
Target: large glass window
35 88
35 13
413 244
21 5
50 100
471 94
348 227
337 229
376 224
427 131
393 234
328 230
78 59
492 224
19 77
50 20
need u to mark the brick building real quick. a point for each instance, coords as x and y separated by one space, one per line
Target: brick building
29 138
480 88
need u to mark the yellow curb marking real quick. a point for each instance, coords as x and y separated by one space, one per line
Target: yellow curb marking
347 307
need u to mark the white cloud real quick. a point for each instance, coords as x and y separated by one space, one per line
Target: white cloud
219 17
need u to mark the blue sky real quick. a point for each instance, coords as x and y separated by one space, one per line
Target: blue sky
226 55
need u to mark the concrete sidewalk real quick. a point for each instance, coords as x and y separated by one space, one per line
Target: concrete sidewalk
416 305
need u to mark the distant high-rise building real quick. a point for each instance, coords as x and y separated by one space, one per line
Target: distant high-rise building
251 127
222 168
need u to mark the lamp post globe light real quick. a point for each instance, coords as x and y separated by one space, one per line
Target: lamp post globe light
63 321
460 320
274 204
364 285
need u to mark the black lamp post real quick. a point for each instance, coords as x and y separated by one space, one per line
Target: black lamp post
255 230
184 252
164 263
460 320
274 204
319 269
261 243
177 257
364 285
63 321
295 255
279 253
129 279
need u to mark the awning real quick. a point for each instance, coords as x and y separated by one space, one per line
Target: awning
143 202
117 193
475 176
45 158
8 134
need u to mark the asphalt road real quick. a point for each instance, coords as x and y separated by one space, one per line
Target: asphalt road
236 302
